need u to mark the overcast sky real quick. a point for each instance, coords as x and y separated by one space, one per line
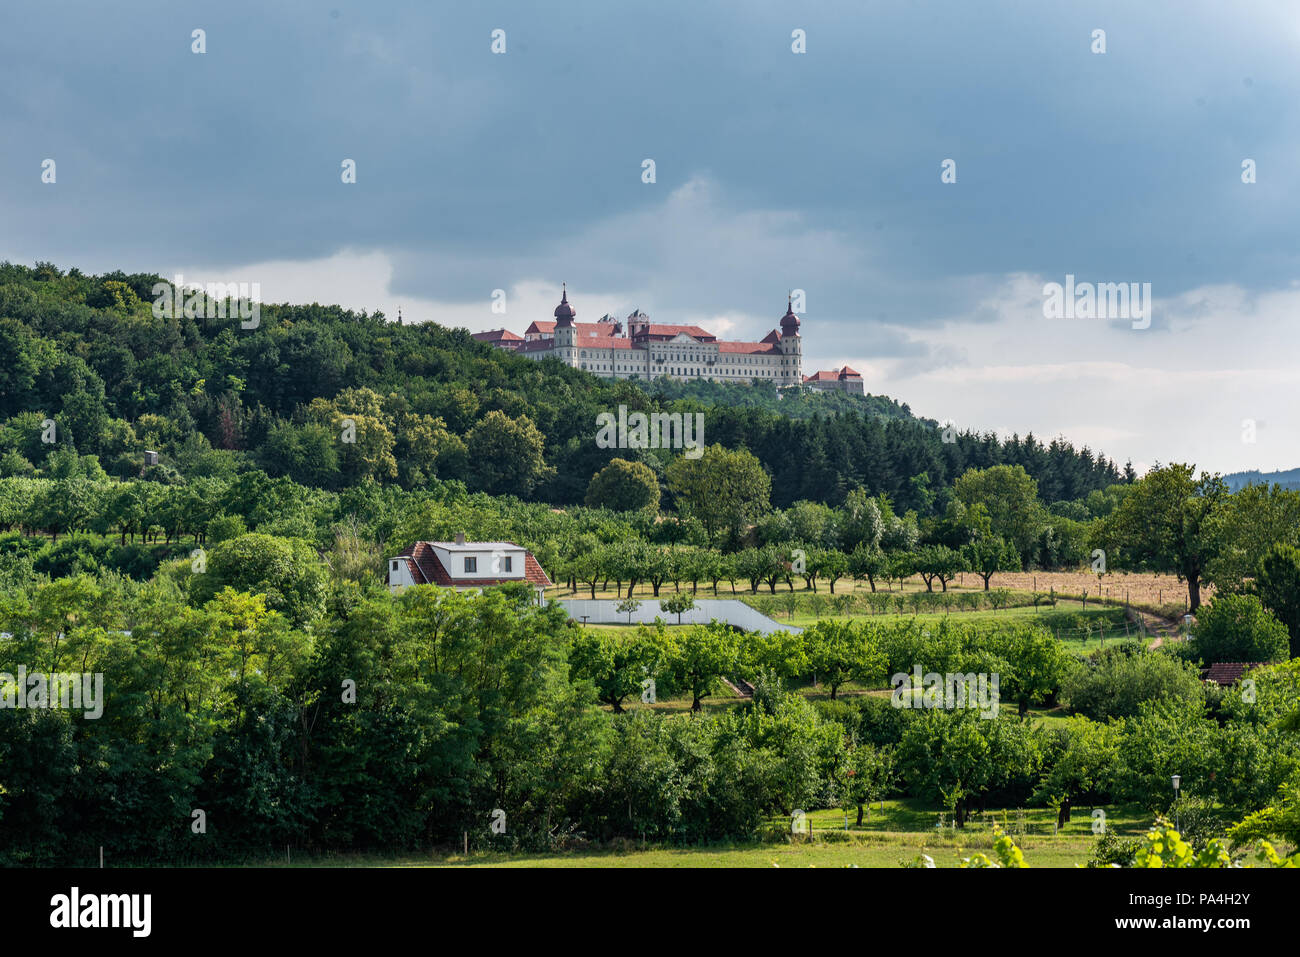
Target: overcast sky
774 170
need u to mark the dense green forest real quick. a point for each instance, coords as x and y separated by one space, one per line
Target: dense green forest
216 399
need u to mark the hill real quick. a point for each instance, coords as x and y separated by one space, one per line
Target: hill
422 403
1288 479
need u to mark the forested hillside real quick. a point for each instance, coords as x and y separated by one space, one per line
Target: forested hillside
427 402
1289 479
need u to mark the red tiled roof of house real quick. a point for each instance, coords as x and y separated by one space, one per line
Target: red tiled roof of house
427 569
423 564
846 372
1225 673
822 376
409 555
534 572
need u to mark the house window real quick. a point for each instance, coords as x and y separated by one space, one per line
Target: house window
506 564
471 565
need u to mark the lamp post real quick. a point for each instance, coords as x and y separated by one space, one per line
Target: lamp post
1178 780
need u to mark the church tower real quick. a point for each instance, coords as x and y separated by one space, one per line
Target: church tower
565 332
791 347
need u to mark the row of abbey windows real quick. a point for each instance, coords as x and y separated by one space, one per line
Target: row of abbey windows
726 360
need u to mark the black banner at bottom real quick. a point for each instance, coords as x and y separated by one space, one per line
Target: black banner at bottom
335 905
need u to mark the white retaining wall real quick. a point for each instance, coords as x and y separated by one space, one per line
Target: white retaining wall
604 611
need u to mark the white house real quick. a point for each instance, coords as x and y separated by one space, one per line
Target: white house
463 565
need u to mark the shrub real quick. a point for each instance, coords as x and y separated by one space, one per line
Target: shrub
1238 628
1113 683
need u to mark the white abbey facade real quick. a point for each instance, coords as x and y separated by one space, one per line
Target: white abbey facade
649 350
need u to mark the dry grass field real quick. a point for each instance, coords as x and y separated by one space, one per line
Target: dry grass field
1143 589
1139 588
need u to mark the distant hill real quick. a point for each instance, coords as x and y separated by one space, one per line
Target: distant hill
1289 479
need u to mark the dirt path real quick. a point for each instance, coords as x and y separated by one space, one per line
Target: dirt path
1161 628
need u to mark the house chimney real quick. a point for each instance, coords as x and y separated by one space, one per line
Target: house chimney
460 538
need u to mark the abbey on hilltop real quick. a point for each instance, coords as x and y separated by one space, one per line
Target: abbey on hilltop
650 350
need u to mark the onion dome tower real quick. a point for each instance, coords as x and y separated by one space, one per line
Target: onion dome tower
565 331
789 322
564 312
791 346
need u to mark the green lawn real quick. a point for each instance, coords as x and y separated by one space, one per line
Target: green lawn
904 831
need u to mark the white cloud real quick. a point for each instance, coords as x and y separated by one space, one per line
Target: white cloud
1180 391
